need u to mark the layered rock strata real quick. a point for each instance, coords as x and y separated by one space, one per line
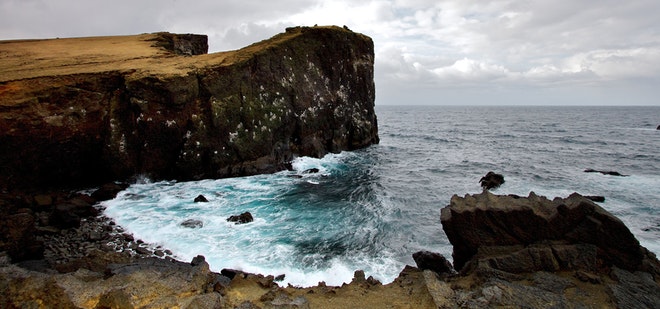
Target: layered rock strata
90 110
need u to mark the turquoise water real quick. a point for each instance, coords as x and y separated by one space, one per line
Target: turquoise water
371 209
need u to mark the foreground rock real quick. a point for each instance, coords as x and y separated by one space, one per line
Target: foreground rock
546 235
152 283
537 252
75 273
75 112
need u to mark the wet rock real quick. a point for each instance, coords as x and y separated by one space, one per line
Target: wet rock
108 191
491 181
611 173
198 260
192 223
143 251
432 261
596 198
311 171
242 218
201 199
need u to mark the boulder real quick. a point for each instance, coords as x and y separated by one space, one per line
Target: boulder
535 233
68 214
192 223
611 173
311 171
432 261
242 218
201 199
64 216
491 181
108 191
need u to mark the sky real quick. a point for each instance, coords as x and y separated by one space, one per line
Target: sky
428 52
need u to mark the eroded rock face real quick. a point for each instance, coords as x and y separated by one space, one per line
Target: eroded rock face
534 233
307 92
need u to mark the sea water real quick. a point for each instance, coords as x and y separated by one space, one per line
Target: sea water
371 209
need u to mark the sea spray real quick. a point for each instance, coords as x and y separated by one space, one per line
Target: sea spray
311 226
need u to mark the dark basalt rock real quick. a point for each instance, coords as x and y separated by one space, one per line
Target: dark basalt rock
192 223
311 171
611 173
534 233
108 191
596 198
242 218
432 261
201 199
65 216
491 181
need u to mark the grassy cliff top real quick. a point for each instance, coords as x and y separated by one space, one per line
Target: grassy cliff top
25 59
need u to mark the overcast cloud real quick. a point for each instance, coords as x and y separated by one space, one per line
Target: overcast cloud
427 52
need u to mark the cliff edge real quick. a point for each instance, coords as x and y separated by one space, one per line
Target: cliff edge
84 111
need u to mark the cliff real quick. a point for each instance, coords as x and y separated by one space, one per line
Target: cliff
89 110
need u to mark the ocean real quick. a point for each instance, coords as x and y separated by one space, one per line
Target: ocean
373 208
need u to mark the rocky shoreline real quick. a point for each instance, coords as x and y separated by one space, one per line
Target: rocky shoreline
571 254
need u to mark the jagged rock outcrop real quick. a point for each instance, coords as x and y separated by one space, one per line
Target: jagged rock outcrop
538 253
91 110
491 181
530 234
245 217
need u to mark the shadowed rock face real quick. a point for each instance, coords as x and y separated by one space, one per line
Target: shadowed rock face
305 92
534 233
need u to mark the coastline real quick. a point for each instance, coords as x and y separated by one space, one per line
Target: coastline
97 265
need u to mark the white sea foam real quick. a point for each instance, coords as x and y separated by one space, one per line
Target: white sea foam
373 208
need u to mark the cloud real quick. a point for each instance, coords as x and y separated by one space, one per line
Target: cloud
419 44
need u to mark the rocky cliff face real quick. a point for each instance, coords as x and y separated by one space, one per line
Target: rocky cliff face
98 109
